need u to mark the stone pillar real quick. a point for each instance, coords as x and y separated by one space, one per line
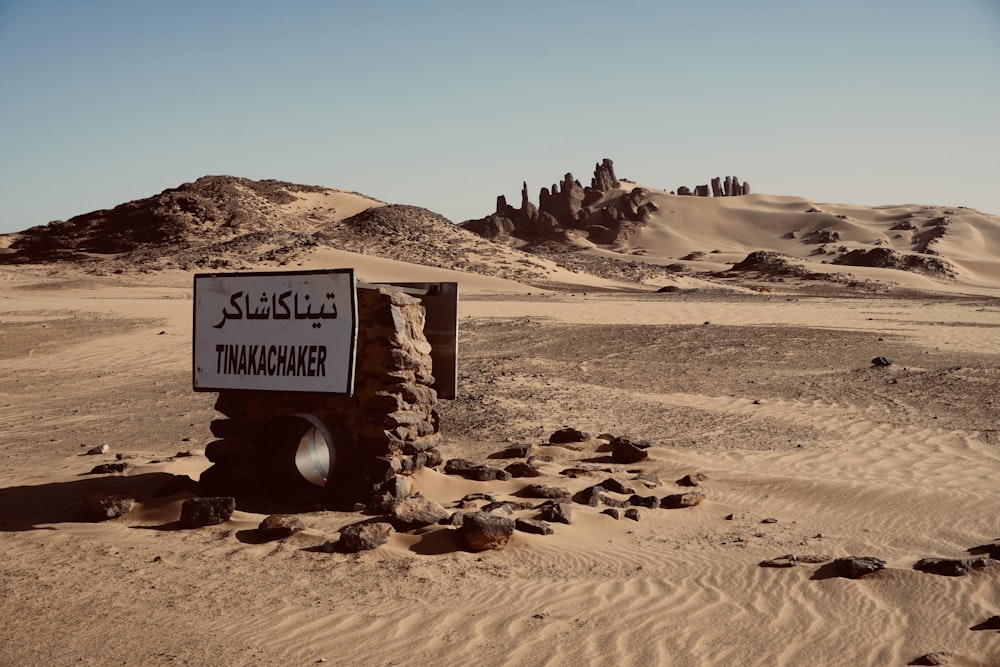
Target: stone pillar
389 427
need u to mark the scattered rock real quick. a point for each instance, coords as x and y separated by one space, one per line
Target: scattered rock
99 507
103 449
854 567
633 513
678 500
506 507
278 526
533 526
199 512
952 567
482 531
109 468
624 450
652 502
694 479
936 658
615 486
556 513
474 471
781 561
365 536
416 512
769 520
514 452
567 434
543 491
881 362
611 512
523 469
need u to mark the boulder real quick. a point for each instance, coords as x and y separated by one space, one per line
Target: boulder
482 531
533 526
633 513
102 507
278 526
543 491
854 567
556 513
474 471
364 536
416 512
952 567
615 486
199 512
110 468
624 450
523 469
693 479
514 452
679 500
568 434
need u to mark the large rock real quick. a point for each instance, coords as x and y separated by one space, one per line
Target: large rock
556 513
364 536
854 567
417 512
624 450
952 567
475 471
199 512
278 526
101 507
482 531
679 500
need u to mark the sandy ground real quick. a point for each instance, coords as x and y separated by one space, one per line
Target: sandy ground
771 396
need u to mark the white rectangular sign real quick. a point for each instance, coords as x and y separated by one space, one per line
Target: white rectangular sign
280 331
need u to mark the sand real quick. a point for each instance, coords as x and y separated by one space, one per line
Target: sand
770 395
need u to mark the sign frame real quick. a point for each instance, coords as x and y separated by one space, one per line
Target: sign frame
307 344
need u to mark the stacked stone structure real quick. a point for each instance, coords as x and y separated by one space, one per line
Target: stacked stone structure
387 430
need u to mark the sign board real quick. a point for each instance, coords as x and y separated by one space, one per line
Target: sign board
440 301
276 331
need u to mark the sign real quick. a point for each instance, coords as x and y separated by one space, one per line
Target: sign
275 331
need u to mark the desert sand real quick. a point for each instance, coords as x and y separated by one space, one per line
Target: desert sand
806 449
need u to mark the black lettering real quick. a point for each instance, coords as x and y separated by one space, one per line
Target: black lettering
312 361
321 360
271 351
300 363
219 350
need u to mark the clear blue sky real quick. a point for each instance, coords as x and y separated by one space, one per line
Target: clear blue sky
446 104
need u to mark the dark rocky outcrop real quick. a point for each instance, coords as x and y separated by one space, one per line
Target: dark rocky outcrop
568 434
475 471
952 567
624 450
679 500
730 187
885 258
605 211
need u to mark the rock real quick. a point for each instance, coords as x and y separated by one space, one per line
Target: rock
633 513
881 362
652 502
604 176
952 567
278 526
556 513
533 526
684 191
199 512
514 452
109 468
103 449
523 469
781 561
717 186
416 512
693 479
614 486
769 520
935 658
678 500
543 491
568 434
482 531
668 288
624 450
991 623
506 507
101 507
853 567
613 513
364 536
474 471
701 191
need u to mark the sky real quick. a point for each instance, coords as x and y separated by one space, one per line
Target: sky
447 103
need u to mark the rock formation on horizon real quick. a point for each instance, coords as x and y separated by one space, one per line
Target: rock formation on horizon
730 187
568 205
